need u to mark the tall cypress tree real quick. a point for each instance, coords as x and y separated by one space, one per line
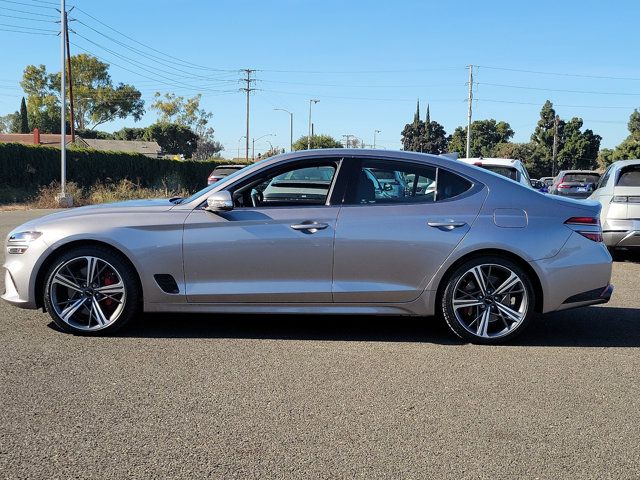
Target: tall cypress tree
24 118
416 117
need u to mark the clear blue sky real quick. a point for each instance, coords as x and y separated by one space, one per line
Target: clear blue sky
367 62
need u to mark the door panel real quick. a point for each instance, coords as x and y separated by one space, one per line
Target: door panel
389 245
254 255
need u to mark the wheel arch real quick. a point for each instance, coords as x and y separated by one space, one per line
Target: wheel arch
535 279
61 249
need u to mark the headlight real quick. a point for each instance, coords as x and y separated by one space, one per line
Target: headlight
19 242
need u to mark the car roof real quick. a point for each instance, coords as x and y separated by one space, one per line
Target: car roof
501 162
625 163
233 166
579 171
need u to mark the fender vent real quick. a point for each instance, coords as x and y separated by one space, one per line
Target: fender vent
166 282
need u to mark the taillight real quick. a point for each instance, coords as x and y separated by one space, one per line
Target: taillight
595 236
562 185
583 221
624 199
477 164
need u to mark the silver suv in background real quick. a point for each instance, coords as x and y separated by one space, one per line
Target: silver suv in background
619 194
507 167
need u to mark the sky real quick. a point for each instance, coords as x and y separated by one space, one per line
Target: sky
368 62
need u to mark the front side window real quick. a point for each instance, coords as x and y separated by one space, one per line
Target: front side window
389 182
296 185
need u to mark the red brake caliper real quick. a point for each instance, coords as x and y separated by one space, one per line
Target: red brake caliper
109 279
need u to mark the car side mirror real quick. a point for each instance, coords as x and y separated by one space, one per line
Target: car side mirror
220 202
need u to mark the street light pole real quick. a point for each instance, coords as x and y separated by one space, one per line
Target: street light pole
375 132
311 102
253 143
290 127
244 136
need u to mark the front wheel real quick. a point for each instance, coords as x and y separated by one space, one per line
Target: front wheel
91 290
488 300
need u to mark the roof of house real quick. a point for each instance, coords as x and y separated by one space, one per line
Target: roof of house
52 139
133 146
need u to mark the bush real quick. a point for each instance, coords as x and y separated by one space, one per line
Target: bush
29 167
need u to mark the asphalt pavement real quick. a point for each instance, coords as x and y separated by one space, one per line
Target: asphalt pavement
197 396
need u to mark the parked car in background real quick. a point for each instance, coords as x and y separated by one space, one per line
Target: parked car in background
575 183
513 169
618 191
481 251
222 171
538 184
548 181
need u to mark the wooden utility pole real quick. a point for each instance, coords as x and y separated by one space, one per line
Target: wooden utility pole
73 128
248 89
555 146
469 112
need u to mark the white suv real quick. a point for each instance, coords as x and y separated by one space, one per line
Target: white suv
619 193
513 169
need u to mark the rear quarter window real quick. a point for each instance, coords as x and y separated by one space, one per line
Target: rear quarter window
629 177
451 185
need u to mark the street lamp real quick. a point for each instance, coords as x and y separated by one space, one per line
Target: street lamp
290 127
311 102
253 144
375 132
243 136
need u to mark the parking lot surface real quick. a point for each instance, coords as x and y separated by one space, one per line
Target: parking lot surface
178 396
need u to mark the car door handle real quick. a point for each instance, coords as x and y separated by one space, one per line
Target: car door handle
311 227
446 225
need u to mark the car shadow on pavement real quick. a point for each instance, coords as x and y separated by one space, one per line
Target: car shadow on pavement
622 256
601 326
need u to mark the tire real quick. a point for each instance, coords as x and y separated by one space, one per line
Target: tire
491 312
98 305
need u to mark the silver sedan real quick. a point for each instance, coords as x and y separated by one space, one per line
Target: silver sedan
309 233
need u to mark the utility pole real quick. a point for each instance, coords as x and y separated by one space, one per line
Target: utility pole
555 146
469 113
62 198
290 127
311 102
248 89
66 29
375 132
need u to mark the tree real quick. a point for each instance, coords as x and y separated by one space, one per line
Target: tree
317 141
24 118
207 149
485 135
424 136
130 133
630 146
575 149
96 99
187 112
173 138
520 151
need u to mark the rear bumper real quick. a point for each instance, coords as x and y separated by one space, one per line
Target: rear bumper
591 297
621 233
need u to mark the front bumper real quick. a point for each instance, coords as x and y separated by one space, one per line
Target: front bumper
20 275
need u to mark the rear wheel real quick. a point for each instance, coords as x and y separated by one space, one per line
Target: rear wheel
91 290
488 300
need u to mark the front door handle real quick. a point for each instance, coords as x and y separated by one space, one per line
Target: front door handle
309 227
447 225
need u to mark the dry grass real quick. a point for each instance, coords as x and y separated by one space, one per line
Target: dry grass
101 193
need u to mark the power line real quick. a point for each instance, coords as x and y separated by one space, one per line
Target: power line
586 92
15 10
559 74
27 18
149 47
555 104
28 28
26 4
146 55
28 33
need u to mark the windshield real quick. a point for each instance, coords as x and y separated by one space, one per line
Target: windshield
213 185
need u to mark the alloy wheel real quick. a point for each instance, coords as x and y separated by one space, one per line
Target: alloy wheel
490 301
87 293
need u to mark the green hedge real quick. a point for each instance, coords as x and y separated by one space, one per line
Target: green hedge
27 167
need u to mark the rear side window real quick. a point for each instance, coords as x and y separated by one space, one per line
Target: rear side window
224 171
629 177
383 182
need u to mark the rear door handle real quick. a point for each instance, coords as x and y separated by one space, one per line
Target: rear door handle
309 227
446 225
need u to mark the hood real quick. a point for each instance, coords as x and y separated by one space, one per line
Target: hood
127 207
